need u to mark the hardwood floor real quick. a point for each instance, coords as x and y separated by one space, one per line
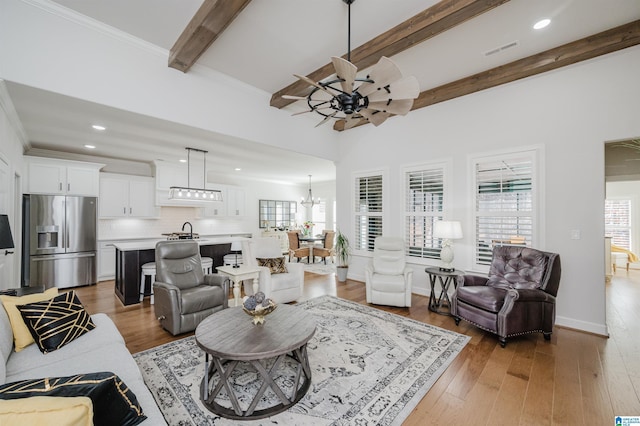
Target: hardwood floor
575 379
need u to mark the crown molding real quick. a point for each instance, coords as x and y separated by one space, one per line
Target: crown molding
95 25
12 116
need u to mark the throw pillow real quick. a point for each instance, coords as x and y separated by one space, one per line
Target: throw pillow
47 410
56 322
21 334
275 264
113 402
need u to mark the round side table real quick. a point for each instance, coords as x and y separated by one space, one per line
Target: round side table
437 303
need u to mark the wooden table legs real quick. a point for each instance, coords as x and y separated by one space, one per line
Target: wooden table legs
218 376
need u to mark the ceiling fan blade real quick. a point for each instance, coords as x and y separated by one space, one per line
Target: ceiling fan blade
302 112
321 96
351 121
327 118
382 73
346 71
313 83
375 117
294 98
405 88
397 107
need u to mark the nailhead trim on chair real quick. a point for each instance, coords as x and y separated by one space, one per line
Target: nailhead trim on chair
504 337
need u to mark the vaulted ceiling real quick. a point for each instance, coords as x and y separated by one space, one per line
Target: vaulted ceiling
453 47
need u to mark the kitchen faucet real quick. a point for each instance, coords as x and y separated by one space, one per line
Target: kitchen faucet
190 229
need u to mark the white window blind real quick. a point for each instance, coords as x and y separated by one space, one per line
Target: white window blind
617 222
424 205
368 211
504 203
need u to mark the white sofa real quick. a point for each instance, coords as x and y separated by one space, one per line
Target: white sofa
101 349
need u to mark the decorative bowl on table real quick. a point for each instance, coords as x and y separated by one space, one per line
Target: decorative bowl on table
258 306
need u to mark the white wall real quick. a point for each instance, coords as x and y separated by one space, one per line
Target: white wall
571 112
48 47
12 139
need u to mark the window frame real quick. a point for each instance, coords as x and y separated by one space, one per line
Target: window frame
533 153
444 167
383 215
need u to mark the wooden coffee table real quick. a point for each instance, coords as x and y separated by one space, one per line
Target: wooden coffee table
230 339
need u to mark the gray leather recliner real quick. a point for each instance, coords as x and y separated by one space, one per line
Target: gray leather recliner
184 296
518 296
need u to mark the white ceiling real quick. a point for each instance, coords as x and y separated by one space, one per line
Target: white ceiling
272 39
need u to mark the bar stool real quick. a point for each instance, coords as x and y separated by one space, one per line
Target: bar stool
148 269
207 265
230 259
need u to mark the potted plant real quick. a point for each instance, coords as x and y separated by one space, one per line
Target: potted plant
343 251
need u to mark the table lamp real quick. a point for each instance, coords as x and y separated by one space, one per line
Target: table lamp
447 230
236 246
6 239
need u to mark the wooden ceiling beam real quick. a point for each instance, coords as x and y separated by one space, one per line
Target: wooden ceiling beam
213 17
435 20
590 47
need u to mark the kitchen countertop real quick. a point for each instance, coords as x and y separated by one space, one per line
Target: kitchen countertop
151 244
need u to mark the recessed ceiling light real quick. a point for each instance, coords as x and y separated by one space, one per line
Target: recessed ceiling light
90 146
541 24
182 160
98 127
237 169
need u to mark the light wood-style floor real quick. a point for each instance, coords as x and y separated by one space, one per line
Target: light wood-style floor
575 379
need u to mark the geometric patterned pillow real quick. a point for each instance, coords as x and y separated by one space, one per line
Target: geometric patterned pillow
276 265
113 402
56 322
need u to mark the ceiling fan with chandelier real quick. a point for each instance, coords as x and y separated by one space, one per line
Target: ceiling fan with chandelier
382 93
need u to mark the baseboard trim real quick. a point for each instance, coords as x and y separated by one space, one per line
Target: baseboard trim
589 327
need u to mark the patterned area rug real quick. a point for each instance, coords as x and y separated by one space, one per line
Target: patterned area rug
369 367
320 268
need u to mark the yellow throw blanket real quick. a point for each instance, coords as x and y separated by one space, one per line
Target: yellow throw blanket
632 256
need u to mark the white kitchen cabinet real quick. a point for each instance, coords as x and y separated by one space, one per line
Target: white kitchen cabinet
62 177
215 208
106 261
235 201
126 196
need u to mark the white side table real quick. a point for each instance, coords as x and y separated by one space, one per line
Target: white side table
237 275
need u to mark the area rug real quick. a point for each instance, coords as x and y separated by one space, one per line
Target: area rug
320 268
369 367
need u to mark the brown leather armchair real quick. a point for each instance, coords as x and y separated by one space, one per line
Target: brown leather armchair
184 296
518 296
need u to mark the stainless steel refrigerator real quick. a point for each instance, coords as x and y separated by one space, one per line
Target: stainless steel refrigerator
59 241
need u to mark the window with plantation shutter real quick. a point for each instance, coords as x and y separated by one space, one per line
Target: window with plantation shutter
368 205
617 222
424 205
505 201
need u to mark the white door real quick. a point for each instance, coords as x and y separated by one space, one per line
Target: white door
7 260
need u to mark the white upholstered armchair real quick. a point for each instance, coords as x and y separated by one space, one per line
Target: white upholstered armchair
282 287
387 277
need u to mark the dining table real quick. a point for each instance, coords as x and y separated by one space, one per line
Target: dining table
309 241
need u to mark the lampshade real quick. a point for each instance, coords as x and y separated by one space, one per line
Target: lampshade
236 246
450 230
6 239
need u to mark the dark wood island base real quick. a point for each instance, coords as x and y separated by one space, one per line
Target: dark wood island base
129 263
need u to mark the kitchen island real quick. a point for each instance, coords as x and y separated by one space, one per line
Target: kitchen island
130 256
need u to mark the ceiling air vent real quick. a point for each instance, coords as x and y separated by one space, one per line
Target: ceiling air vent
501 48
